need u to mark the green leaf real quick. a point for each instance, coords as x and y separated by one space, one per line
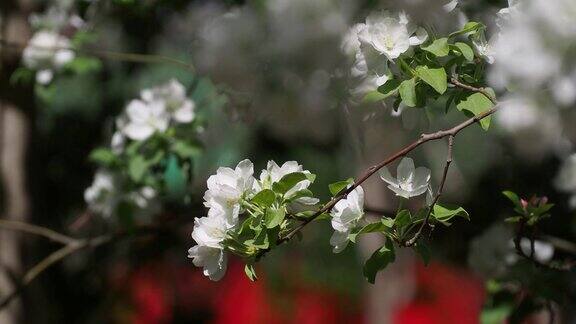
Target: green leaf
438 47
370 228
288 182
102 156
476 104
250 272
445 213
337 187
174 178
388 222
264 198
470 27
379 260
373 96
137 167
274 217
84 64
436 78
466 51
403 218
407 91
186 150
389 88
513 197
423 251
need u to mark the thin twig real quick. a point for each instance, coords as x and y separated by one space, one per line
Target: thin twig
455 82
36 230
416 236
105 54
70 247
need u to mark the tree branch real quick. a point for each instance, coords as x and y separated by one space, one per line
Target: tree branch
455 82
424 138
36 230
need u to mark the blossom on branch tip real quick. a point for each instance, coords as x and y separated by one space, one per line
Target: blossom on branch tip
409 181
346 215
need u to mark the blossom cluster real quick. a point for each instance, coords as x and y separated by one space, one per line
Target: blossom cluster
384 37
267 204
50 48
152 133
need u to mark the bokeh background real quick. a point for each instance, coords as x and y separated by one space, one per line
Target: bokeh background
278 69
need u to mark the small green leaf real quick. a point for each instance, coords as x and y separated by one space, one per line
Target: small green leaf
466 51
337 187
403 218
264 198
476 104
250 272
470 27
186 150
137 167
84 64
288 182
370 228
514 219
373 96
445 213
513 197
407 91
423 251
438 47
436 78
174 178
389 88
102 156
274 217
388 222
379 260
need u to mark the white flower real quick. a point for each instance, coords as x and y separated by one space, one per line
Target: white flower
543 251
391 35
226 188
213 260
117 142
273 173
173 95
47 51
345 216
450 6
210 231
102 196
483 47
144 119
410 182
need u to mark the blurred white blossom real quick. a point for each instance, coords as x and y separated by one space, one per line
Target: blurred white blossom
102 196
46 52
173 96
273 173
144 119
566 179
409 181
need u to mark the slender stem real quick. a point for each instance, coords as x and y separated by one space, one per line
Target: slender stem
455 82
105 54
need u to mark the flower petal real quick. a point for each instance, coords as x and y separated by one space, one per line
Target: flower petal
387 177
405 170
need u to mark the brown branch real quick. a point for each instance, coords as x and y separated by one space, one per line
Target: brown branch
71 246
424 138
105 54
455 82
416 236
